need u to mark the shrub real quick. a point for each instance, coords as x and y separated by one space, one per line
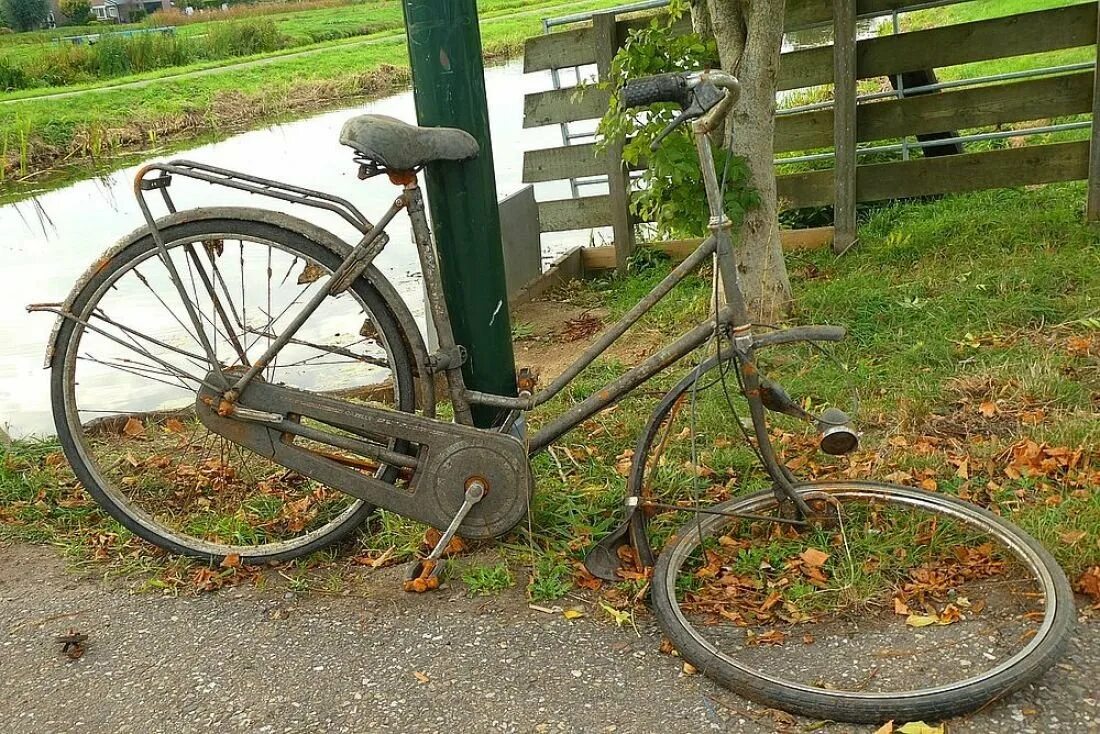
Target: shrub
77 12
243 39
4 30
117 55
24 15
12 77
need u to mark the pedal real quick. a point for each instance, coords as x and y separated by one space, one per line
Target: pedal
424 574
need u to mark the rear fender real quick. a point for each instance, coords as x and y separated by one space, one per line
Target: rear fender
410 332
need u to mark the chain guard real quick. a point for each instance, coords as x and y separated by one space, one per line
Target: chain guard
448 456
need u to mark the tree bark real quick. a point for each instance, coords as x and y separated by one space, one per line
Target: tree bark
749 34
700 18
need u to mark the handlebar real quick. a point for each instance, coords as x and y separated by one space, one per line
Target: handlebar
704 96
650 90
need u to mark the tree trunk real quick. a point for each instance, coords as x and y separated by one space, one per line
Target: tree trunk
749 34
700 18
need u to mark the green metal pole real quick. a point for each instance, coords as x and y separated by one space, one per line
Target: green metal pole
449 87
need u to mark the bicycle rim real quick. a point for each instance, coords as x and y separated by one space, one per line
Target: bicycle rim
822 667
139 447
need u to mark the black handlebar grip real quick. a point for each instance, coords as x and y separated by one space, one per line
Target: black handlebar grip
653 89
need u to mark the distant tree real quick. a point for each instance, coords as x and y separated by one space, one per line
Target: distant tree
77 12
24 15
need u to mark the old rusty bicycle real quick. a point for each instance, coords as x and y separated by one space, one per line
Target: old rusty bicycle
237 382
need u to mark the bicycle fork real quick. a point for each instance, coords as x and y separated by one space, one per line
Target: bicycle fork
741 326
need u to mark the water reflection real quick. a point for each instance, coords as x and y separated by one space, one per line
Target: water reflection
47 244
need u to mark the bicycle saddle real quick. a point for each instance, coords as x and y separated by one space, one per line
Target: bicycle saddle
398 146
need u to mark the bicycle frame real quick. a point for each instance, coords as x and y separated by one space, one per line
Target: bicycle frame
448 359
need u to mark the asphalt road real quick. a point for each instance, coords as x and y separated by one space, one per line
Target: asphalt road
379 660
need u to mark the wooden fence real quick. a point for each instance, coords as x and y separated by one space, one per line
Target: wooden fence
850 121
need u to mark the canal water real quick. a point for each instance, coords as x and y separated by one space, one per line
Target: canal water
45 245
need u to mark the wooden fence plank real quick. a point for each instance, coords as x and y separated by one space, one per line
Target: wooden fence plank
1031 99
576 46
1017 35
569 161
564 105
1093 210
1006 168
963 43
618 177
845 94
587 212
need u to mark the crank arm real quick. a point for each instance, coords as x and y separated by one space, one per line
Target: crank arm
424 574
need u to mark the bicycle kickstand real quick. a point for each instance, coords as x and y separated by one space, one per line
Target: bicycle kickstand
424 574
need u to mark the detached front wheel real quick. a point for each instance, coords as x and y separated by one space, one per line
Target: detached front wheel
905 605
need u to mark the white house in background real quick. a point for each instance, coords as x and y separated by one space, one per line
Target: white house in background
114 11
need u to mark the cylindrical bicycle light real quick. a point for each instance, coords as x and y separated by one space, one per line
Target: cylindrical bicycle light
837 435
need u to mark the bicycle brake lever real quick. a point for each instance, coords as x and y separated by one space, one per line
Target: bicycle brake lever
703 99
680 120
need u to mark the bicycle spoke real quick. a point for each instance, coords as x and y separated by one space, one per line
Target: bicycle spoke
216 304
198 360
172 313
135 357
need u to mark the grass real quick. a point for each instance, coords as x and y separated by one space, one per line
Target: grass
489 579
973 331
124 120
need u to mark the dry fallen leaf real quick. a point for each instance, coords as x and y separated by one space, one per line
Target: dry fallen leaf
133 428
1072 537
689 669
310 273
887 728
771 637
572 614
174 426
921 620
919 727
1089 583
900 607
623 462
814 557
988 409
233 560
950 615
422 677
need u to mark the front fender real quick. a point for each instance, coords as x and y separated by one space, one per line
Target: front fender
410 333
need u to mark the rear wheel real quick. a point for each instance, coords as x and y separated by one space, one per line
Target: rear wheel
124 392
907 605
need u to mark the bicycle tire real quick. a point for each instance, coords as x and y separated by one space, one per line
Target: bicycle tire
67 422
858 707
